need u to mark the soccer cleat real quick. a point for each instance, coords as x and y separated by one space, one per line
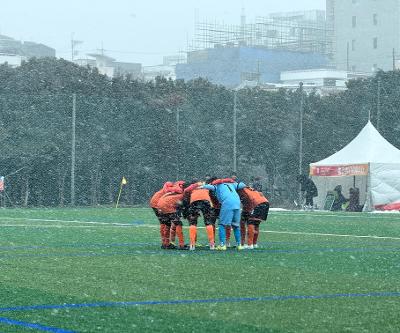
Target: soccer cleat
249 247
192 247
221 248
240 247
199 245
255 246
164 247
184 247
212 247
228 244
245 246
171 246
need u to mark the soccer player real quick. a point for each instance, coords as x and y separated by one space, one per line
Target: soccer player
255 210
199 202
226 192
170 205
164 227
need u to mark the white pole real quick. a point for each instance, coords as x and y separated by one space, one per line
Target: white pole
177 143
301 141
234 131
73 143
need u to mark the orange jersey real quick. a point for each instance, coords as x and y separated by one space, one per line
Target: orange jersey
200 194
156 197
169 202
251 198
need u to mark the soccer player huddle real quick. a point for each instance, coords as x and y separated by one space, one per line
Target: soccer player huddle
237 206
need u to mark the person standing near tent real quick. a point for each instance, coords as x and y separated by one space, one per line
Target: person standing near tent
339 198
308 188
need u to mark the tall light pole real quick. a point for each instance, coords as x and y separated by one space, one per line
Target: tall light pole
177 143
234 130
73 143
301 139
378 117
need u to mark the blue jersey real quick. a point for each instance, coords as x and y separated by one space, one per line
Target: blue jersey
227 194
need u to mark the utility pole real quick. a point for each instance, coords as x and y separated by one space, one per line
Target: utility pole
73 143
73 44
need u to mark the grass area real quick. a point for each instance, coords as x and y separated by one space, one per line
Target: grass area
87 270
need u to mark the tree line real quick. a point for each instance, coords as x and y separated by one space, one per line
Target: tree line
151 132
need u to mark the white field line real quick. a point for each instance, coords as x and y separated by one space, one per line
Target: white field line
69 221
57 226
106 224
370 216
328 235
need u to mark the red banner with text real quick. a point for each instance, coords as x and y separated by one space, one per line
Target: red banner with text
339 170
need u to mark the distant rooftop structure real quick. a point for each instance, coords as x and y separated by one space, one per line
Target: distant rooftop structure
292 31
109 66
324 81
231 66
14 52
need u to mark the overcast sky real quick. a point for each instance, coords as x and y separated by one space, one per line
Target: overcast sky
128 30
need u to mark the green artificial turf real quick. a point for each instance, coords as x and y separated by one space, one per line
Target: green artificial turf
91 256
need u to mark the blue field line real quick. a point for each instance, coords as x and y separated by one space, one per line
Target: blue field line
133 244
34 326
79 245
201 252
199 301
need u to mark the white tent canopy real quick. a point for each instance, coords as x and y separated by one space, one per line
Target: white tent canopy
368 162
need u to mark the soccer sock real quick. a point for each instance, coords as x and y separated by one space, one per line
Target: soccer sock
242 233
256 233
167 237
192 234
250 234
228 233
162 233
173 233
214 228
210 234
222 234
179 233
236 233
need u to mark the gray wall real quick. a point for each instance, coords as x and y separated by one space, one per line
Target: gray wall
362 56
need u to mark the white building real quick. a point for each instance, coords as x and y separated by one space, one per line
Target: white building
13 60
166 70
366 33
108 66
323 81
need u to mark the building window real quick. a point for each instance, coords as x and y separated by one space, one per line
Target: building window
375 43
353 45
375 19
354 21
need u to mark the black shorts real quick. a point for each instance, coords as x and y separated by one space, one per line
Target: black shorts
170 218
260 212
200 207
